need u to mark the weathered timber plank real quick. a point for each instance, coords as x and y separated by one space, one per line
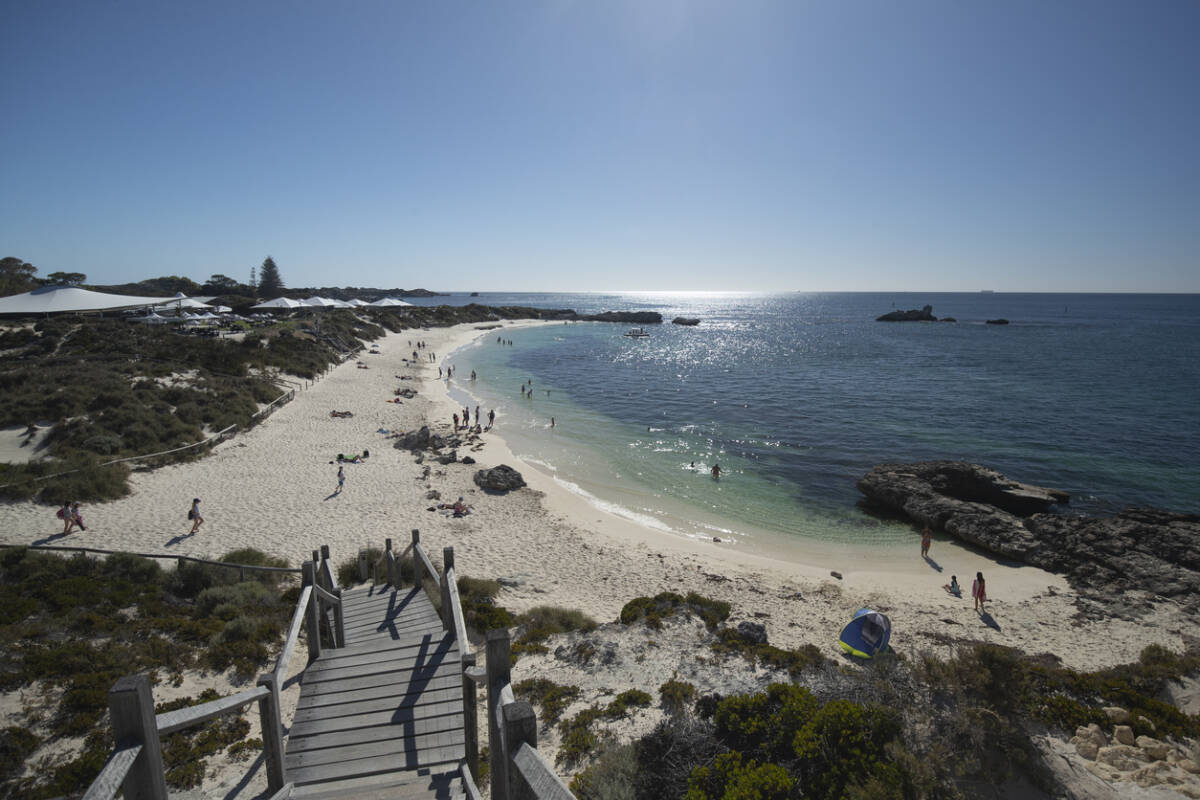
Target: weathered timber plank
399 657
374 704
388 650
377 641
370 689
442 784
373 758
389 731
421 667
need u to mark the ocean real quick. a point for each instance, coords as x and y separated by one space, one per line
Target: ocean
798 395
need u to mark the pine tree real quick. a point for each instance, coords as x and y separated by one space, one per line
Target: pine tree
270 284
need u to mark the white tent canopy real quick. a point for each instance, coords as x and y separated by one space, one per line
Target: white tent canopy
356 302
180 301
281 302
325 302
385 302
57 299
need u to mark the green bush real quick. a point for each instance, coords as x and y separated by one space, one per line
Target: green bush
612 776
732 778
654 609
347 571
540 623
677 696
553 698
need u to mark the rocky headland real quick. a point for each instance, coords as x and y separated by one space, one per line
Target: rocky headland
1119 564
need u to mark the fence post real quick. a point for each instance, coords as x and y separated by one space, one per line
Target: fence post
362 565
389 560
132 709
326 570
339 624
447 612
312 617
498 675
272 733
520 727
470 714
418 562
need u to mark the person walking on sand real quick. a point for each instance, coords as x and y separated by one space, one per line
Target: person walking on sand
194 515
491 418
979 591
77 516
341 480
926 540
455 420
68 519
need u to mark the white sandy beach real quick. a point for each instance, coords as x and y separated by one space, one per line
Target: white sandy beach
272 488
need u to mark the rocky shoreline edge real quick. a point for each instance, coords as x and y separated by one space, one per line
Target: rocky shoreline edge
1120 565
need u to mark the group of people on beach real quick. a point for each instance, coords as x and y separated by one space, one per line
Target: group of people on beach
71 517
978 587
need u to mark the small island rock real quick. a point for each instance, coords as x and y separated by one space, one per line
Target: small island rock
912 315
686 321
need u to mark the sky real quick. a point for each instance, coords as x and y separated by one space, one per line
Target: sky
559 145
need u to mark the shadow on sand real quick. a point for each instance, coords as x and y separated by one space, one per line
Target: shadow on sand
989 620
52 538
174 540
933 563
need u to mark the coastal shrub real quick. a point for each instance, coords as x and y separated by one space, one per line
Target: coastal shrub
347 571
654 609
578 738
239 596
611 776
16 744
541 622
794 661
730 776
553 698
677 696
667 755
842 743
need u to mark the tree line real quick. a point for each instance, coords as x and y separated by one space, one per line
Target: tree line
17 276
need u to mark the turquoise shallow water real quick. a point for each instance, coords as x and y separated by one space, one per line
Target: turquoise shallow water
796 396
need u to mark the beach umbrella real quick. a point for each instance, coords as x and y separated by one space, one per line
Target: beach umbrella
149 319
356 302
281 302
388 302
325 302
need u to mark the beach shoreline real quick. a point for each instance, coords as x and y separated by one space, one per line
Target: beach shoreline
272 488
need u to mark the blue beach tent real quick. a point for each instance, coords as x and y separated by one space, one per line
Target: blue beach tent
867 634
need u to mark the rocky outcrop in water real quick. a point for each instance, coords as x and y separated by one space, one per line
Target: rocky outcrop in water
634 317
686 321
1121 562
1000 321
912 315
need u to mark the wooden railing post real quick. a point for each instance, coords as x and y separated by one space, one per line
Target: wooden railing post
499 674
339 624
389 559
132 709
272 732
447 612
326 570
362 565
470 713
520 727
312 617
418 562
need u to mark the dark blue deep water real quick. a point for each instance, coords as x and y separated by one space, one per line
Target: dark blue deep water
798 395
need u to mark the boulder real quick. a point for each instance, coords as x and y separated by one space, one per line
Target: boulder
1086 748
1153 748
1119 756
499 479
1123 734
912 315
1188 765
414 440
468 460
1116 715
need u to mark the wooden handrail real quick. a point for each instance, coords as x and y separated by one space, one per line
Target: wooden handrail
171 721
108 782
468 779
543 781
293 636
419 553
456 614
327 597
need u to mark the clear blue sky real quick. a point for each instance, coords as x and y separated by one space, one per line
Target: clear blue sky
590 145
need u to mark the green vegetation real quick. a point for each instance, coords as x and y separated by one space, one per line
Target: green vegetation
578 738
541 622
655 609
347 571
553 698
75 625
794 661
677 696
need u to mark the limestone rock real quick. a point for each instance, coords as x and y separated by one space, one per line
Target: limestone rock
1123 734
686 321
1086 748
1116 715
1120 757
499 479
1188 765
912 315
1153 748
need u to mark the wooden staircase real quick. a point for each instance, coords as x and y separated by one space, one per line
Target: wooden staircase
382 716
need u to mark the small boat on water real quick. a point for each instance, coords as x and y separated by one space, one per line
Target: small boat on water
637 333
